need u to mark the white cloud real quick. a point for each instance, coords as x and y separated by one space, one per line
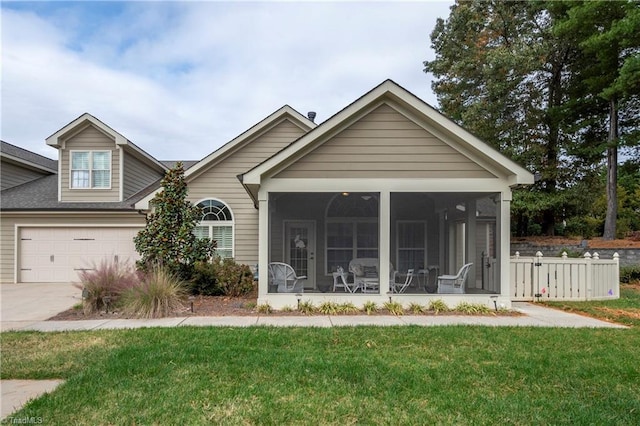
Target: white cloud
181 79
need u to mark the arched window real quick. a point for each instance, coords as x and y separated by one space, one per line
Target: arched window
217 225
353 205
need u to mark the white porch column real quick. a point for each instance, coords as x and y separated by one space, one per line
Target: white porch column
451 265
385 240
504 242
470 240
442 234
263 244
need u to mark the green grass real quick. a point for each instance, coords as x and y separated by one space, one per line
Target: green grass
354 375
625 310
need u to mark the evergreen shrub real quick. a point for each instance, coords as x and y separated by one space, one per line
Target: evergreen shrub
222 277
629 274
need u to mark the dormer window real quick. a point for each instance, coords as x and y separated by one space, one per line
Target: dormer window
91 169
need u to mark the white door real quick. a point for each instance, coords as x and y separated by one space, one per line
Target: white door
59 254
300 250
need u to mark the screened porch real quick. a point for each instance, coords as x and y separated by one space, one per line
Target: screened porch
332 242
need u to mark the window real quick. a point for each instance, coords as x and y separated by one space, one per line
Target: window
91 169
350 239
352 229
217 225
411 245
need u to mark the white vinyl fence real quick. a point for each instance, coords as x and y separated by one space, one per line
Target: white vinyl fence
541 278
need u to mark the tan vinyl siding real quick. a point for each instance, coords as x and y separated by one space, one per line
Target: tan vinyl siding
384 144
7 255
90 139
10 220
137 175
220 182
14 175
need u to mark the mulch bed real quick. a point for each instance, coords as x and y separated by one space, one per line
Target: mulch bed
220 306
202 306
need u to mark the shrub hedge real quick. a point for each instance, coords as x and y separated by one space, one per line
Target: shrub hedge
222 277
629 274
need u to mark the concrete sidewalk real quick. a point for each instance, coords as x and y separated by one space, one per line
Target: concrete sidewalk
534 315
16 393
27 306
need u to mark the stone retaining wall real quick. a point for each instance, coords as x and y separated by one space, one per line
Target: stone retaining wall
628 256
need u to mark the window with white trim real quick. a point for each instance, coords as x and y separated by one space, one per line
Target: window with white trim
216 225
90 169
351 229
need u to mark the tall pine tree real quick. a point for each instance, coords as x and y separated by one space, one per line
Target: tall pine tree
606 77
555 85
502 73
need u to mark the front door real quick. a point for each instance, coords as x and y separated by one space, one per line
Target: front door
300 248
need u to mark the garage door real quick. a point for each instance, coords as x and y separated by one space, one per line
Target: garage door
59 254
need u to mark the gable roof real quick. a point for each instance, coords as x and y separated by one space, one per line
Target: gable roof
186 164
412 106
27 158
264 125
57 139
272 120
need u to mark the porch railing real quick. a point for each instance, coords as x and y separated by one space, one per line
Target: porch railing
541 278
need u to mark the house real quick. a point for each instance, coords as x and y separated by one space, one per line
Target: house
79 209
387 181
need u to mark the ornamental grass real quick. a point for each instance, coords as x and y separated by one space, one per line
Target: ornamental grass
158 294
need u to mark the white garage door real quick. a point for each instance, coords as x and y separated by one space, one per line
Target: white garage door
58 254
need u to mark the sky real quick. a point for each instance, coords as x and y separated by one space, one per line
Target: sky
181 79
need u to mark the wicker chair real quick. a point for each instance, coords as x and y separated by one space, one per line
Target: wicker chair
454 283
284 276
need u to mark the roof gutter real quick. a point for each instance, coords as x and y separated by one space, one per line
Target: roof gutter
73 210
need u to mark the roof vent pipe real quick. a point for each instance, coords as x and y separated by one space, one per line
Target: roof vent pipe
311 115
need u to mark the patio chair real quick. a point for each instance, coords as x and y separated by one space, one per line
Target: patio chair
454 283
284 276
401 287
340 281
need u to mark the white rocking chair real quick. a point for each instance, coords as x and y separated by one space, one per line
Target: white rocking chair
284 276
454 283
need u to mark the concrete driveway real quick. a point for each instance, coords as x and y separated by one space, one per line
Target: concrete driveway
22 305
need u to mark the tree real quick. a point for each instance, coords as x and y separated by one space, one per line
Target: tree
168 237
501 73
551 84
608 69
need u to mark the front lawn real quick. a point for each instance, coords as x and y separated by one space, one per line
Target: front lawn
354 375
625 310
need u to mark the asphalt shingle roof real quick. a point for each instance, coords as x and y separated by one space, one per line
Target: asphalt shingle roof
31 157
42 194
186 164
